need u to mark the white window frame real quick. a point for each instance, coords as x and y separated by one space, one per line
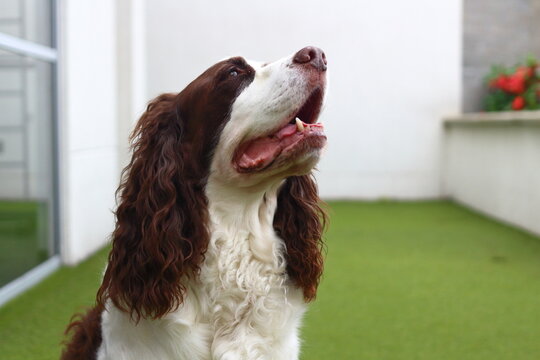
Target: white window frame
48 54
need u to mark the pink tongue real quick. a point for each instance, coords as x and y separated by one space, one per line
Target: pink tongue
263 151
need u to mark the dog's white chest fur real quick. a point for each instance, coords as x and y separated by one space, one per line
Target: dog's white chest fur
254 306
241 306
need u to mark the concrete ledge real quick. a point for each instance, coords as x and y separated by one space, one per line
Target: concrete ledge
491 162
503 117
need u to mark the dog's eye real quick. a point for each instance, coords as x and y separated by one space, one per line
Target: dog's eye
233 73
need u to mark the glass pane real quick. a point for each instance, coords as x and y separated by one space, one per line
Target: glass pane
26 164
27 19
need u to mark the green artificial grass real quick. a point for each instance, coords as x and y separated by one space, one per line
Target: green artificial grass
403 281
31 326
429 280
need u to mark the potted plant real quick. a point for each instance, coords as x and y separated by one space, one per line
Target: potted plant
513 88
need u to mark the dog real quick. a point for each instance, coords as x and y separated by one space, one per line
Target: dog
218 243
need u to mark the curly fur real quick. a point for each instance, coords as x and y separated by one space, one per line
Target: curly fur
300 221
160 232
86 335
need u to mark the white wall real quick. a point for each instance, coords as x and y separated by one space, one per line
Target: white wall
394 66
88 125
131 71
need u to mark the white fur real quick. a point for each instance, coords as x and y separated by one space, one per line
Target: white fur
243 305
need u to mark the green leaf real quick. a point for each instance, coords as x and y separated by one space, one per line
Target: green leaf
531 60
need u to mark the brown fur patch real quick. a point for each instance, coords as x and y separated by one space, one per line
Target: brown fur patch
85 337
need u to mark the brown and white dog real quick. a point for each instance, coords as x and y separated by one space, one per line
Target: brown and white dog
217 245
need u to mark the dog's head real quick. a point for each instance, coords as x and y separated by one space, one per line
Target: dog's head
272 130
247 121
241 123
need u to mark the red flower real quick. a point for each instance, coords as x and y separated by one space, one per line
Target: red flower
500 82
515 84
518 103
526 72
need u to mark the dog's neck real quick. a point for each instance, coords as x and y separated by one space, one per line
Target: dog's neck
245 213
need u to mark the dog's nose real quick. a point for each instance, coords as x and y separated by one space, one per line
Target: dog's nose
311 55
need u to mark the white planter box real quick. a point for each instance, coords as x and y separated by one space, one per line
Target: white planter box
491 162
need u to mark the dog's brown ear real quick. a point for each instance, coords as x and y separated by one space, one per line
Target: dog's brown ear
300 222
160 235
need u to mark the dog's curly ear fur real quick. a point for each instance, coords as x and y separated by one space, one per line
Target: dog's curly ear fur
160 235
300 221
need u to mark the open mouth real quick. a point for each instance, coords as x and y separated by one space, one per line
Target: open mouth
300 132
309 112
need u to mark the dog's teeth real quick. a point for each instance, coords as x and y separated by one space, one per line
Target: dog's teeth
299 124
